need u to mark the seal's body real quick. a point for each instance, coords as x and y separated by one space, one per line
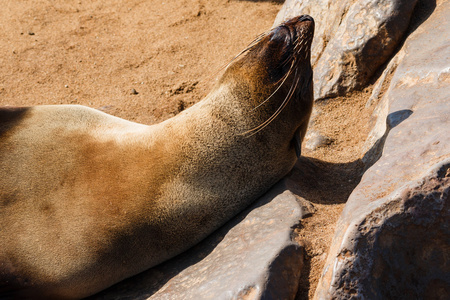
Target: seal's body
88 199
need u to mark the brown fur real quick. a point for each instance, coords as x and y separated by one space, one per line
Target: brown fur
88 199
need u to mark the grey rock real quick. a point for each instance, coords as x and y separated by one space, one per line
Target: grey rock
393 238
252 257
327 15
307 207
314 139
378 86
353 39
394 247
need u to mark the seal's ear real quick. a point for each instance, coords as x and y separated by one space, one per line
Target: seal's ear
10 116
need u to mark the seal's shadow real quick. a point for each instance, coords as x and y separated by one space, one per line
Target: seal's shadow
324 182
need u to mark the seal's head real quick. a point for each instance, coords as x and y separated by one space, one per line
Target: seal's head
276 72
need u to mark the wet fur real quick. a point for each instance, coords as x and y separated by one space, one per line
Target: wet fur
88 199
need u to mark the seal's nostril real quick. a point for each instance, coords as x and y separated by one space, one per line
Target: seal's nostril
305 18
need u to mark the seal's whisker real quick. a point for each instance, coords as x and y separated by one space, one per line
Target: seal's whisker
302 49
289 59
250 46
288 98
302 43
246 49
260 127
299 49
279 86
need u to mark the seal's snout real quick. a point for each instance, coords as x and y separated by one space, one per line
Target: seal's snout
305 18
301 30
302 27
304 24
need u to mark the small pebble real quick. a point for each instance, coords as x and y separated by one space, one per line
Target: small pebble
315 140
66 86
30 33
134 92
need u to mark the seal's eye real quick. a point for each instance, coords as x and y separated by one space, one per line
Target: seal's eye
280 43
280 35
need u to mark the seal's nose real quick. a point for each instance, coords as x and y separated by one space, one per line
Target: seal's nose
305 18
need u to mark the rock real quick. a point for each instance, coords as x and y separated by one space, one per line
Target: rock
314 139
394 247
252 257
393 237
353 39
378 86
327 15
307 207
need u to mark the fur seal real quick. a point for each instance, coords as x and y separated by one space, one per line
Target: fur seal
88 199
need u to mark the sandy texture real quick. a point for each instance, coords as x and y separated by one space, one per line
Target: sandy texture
96 52
328 175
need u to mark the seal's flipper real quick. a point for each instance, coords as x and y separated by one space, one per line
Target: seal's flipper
298 142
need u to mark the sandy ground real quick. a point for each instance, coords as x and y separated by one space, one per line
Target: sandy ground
146 61
327 176
96 52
